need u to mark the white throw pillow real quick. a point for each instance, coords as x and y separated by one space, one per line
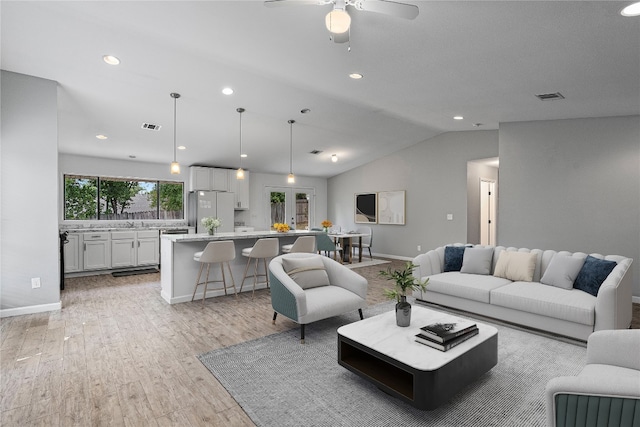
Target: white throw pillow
562 271
477 261
306 272
516 266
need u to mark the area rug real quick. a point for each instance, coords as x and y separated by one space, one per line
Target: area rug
280 382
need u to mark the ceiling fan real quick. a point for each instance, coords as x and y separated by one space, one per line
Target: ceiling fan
338 20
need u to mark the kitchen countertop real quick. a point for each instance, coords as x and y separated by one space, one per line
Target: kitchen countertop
186 238
100 229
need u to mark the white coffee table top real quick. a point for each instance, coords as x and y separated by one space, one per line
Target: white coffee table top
380 333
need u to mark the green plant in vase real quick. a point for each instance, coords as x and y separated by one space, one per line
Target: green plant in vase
211 224
404 281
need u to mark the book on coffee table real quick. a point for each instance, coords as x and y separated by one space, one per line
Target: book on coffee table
445 331
427 340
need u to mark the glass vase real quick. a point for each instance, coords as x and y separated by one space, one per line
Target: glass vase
403 312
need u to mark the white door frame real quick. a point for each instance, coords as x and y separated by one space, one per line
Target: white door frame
488 221
289 208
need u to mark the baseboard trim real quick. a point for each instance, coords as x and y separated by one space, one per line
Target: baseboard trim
402 258
19 311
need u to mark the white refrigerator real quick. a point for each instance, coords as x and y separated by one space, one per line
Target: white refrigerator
215 204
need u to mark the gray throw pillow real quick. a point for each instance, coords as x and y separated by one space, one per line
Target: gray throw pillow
477 261
307 272
562 271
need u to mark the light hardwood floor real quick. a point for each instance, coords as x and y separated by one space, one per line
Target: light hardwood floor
118 354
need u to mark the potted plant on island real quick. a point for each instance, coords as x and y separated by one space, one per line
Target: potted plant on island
211 224
404 281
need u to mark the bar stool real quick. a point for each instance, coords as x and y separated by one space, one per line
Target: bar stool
215 252
302 244
263 249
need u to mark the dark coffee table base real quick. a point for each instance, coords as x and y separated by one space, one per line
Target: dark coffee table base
422 389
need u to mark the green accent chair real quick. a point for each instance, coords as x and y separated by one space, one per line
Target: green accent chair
606 393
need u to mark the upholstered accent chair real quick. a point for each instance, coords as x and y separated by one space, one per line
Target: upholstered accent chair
310 287
606 392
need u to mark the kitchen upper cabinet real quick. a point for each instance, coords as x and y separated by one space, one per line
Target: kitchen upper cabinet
148 247
208 179
72 254
96 250
240 187
123 249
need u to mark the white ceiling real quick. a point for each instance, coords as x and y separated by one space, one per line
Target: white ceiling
482 60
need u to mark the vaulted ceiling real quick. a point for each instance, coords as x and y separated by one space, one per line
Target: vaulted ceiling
483 60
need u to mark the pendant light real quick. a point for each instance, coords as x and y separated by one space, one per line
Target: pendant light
175 166
291 179
240 171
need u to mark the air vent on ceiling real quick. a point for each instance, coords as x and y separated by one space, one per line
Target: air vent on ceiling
151 126
315 151
550 96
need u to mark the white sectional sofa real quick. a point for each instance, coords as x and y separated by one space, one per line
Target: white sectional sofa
553 306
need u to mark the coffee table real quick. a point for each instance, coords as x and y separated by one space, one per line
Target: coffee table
388 356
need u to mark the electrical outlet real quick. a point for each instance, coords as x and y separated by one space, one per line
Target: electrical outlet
419 247
35 282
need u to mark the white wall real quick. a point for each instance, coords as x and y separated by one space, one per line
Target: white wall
434 175
29 243
258 216
572 185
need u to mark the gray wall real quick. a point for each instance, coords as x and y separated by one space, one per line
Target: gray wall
572 185
434 175
28 181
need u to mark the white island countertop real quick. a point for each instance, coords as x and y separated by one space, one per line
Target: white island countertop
204 237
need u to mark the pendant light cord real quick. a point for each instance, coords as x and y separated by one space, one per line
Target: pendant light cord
175 98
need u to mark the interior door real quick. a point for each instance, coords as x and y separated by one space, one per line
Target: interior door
487 212
291 205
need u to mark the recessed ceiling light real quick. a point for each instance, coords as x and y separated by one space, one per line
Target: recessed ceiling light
227 91
356 76
181 147
243 155
632 10
101 136
334 158
110 59
458 118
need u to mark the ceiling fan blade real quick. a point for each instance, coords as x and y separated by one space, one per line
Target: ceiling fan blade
400 10
340 38
277 3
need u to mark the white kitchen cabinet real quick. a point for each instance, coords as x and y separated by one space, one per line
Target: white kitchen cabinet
239 187
208 179
148 247
123 249
72 254
96 250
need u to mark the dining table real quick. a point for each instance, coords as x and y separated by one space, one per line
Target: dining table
345 239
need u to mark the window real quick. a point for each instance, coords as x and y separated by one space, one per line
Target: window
102 198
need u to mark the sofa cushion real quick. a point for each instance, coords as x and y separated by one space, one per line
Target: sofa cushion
533 297
306 272
517 266
477 261
453 256
593 272
472 287
562 271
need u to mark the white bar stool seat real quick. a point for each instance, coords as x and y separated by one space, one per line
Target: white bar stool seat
215 252
262 250
302 244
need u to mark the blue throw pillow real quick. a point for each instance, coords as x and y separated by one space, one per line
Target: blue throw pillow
453 256
592 274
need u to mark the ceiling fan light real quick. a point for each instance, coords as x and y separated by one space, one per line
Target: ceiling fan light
337 21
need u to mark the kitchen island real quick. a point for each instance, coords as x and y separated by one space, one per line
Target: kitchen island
178 270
